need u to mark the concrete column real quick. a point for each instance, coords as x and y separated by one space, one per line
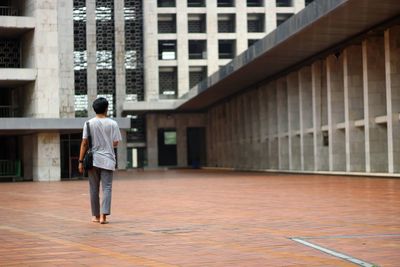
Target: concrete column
263 128
293 121
150 55
210 139
181 141
122 152
374 80
46 157
270 16
120 87
45 102
337 159
255 129
241 26
152 145
183 47
392 67
320 151
212 37
306 119
91 54
235 132
241 131
66 60
354 108
282 118
273 153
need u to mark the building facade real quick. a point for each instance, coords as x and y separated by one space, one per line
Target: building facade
56 57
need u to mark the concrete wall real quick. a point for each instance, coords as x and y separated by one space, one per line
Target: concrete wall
339 114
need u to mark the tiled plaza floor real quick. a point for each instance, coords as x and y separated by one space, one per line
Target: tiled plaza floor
203 218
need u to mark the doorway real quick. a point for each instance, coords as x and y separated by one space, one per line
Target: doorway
70 148
167 147
196 147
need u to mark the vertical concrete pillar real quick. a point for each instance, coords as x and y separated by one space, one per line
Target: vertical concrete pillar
256 125
306 119
263 128
46 157
241 26
210 139
270 15
282 117
374 80
273 139
66 61
183 45
293 121
241 131
354 108
120 86
152 139
122 152
151 49
181 139
337 159
212 36
318 97
91 54
392 67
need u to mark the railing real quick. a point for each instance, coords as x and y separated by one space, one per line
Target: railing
8 112
10 168
8 11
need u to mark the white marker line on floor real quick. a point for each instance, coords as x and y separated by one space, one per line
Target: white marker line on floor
334 253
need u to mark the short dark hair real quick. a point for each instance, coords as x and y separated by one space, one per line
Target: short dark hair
100 105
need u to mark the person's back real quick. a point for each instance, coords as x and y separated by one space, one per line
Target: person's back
104 132
105 135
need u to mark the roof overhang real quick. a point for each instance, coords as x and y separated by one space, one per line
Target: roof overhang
17 77
321 26
14 27
51 124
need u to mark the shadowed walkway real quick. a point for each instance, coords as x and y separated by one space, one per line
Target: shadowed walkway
204 218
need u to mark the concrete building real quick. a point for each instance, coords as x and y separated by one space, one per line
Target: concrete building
320 94
56 57
202 83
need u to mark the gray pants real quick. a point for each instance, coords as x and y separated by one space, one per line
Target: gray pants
105 176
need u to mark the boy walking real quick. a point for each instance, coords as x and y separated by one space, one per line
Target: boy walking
105 137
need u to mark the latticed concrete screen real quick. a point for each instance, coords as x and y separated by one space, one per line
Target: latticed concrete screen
10 56
134 50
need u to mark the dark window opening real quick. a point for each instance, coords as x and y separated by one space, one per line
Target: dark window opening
255 23
197 23
284 3
167 23
281 18
226 49
166 3
225 3
197 49
226 23
168 83
255 3
196 3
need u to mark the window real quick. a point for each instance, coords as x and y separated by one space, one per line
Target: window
196 75
226 23
225 3
166 23
250 42
170 138
255 22
281 18
166 3
254 3
168 84
309 2
196 23
196 3
197 49
167 49
226 49
284 3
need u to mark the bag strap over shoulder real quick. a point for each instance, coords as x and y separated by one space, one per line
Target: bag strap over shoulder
89 135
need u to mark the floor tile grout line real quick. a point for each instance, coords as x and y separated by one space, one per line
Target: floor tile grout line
334 253
347 236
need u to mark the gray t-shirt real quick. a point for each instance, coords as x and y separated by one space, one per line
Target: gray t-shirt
104 132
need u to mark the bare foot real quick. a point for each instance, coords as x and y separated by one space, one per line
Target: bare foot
96 219
103 219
